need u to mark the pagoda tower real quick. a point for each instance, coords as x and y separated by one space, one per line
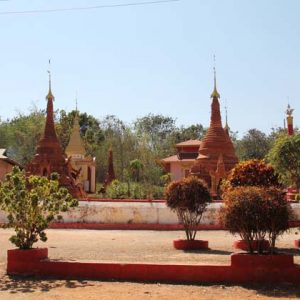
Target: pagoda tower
216 152
49 156
81 163
110 175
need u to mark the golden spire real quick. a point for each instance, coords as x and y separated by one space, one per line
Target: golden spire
226 120
215 93
76 146
49 95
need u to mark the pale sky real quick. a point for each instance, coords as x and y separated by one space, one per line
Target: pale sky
157 58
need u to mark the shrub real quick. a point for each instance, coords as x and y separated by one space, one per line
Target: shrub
297 198
188 198
255 213
285 158
133 190
251 173
31 204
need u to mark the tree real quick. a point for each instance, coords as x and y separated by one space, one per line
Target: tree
157 128
255 213
136 167
189 198
285 157
23 133
251 173
31 204
193 132
254 145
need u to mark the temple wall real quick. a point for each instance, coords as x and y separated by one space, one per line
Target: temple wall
5 168
136 213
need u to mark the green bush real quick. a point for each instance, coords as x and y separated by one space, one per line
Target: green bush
31 203
189 198
133 190
297 198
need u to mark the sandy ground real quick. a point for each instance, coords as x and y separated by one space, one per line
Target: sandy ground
136 246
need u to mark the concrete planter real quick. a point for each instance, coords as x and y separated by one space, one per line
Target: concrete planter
23 261
190 245
245 260
242 245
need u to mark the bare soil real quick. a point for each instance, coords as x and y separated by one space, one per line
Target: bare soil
137 246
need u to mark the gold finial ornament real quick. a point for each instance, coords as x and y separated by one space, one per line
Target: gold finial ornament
226 119
49 95
289 111
215 93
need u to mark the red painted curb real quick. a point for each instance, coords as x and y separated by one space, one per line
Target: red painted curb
190 245
242 245
100 226
244 269
34 254
244 260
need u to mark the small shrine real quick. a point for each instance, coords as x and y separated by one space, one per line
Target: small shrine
49 156
82 163
216 155
179 165
6 164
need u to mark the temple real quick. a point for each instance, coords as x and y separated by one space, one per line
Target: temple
49 156
210 159
179 165
216 153
80 161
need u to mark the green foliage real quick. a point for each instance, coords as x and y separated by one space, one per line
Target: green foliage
188 198
254 145
251 173
297 198
256 213
136 168
31 204
133 190
21 134
285 157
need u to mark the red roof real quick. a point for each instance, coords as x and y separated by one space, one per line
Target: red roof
174 158
189 143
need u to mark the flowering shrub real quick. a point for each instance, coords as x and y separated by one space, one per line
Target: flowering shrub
256 213
31 203
251 173
188 198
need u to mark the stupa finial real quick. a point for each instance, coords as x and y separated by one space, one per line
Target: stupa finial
215 93
226 118
76 102
49 95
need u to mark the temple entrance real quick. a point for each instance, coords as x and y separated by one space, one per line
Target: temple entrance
89 179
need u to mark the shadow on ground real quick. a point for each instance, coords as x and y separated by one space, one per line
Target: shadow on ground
293 251
16 284
276 290
210 251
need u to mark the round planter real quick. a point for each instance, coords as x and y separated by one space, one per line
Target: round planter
245 260
190 245
29 255
21 262
297 243
242 245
